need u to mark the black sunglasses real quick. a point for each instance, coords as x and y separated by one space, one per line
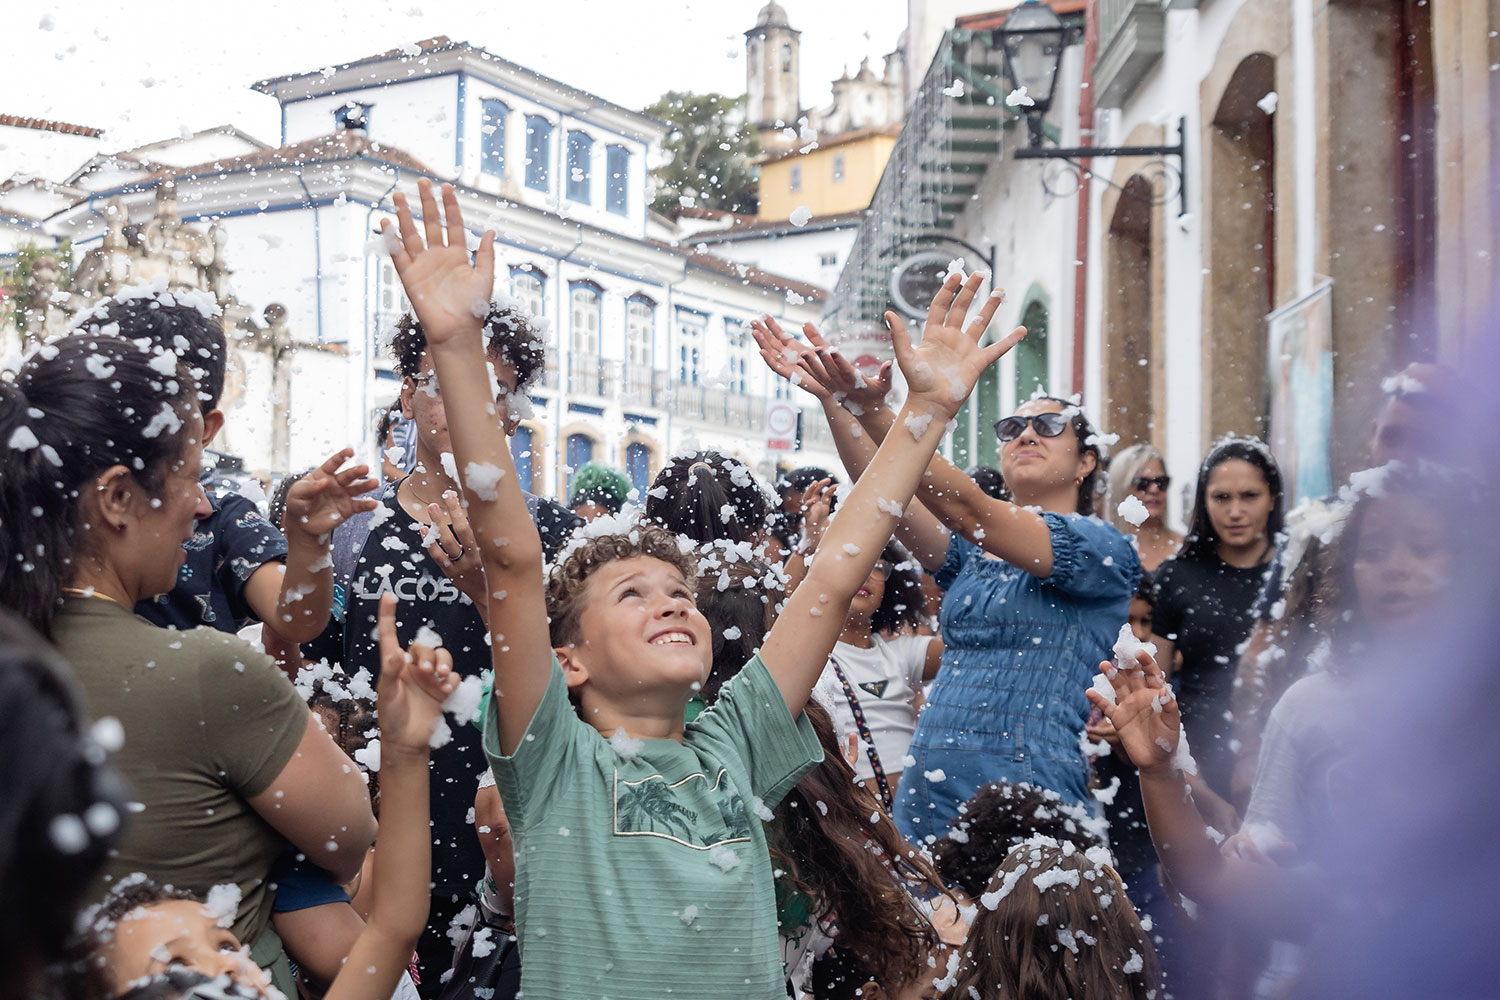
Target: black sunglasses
1146 483
1048 425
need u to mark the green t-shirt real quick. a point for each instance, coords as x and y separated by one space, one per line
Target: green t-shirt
209 722
646 874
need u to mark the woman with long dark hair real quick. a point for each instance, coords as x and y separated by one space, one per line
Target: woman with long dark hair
1206 594
98 493
1036 588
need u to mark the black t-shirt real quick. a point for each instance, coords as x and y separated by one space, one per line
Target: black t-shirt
1129 836
1206 607
392 559
226 549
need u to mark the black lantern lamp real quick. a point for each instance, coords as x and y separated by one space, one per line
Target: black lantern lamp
1033 38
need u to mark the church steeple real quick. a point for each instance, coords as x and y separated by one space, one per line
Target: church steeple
771 75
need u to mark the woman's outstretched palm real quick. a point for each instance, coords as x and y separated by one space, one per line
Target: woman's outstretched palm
946 365
447 292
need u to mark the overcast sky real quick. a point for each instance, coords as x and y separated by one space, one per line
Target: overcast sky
146 69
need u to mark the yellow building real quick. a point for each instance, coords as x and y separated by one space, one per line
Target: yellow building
838 175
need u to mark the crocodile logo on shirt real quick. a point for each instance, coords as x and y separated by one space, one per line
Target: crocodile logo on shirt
692 812
877 688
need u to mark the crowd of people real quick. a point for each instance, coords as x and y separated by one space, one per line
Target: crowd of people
923 733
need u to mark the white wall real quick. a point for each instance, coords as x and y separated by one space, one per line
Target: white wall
795 255
40 153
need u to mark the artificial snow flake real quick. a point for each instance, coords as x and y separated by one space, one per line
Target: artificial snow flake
1018 98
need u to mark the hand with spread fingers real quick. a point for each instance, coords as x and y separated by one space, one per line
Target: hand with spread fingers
943 369
449 294
1144 714
455 550
327 497
817 508
413 685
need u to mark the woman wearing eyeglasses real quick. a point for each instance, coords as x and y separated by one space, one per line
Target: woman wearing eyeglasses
1036 590
1138 471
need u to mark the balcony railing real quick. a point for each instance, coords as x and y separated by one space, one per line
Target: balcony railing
717 406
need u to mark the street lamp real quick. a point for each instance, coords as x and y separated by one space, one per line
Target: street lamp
1033 38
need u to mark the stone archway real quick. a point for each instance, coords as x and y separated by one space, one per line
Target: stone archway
1241 199
1133 349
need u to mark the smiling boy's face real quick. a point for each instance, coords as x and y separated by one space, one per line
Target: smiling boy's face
176 933
642 640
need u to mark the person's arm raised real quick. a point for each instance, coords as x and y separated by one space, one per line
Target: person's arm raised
1019 536
941 371
413 686
918 530
451 297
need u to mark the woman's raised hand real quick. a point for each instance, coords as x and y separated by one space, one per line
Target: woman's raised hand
1144 713
449 294
818 368
943 369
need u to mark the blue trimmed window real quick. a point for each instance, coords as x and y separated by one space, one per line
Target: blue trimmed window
580 451
638 466
640 332
584 331
528 285
617 180
580 166
352 116
520 453
492 138
538 153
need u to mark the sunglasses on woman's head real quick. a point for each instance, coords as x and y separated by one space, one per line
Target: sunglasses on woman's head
1048 425
1147 483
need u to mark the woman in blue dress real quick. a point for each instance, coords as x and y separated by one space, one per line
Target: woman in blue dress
1036 587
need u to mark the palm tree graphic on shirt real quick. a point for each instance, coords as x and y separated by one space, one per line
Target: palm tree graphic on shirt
652 807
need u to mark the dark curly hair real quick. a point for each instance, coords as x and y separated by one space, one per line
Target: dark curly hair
708 496
511 336
568 581
86 967
995 819
196 337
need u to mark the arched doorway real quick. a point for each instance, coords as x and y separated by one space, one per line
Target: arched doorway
1129 307
1241 197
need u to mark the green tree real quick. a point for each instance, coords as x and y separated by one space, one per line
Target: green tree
15 283
711 147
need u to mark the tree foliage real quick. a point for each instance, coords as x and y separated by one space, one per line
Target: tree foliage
710 149
16 299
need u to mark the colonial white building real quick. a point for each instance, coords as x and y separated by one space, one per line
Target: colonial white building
649 351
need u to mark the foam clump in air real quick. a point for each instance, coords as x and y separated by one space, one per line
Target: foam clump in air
483 480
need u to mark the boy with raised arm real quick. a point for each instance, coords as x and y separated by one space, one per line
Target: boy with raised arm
639 870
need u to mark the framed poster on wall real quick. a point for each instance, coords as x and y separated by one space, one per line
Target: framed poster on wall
1299 353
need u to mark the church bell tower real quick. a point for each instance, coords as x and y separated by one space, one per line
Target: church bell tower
774 99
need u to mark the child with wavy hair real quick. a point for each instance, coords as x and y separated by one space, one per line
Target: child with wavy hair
626 821
1054 921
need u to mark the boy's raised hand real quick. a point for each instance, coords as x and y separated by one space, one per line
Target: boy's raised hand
448 293
327 497
942 370
1144 713
413 685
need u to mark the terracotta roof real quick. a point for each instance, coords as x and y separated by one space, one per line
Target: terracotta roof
341 145
746 272
996 18
43 125
760 227
842 139
699 212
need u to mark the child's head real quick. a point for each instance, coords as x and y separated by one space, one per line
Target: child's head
513 349
708 496
187 325
598 491
994 820
624 621
145 935
1141 609
1055 922
893 592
